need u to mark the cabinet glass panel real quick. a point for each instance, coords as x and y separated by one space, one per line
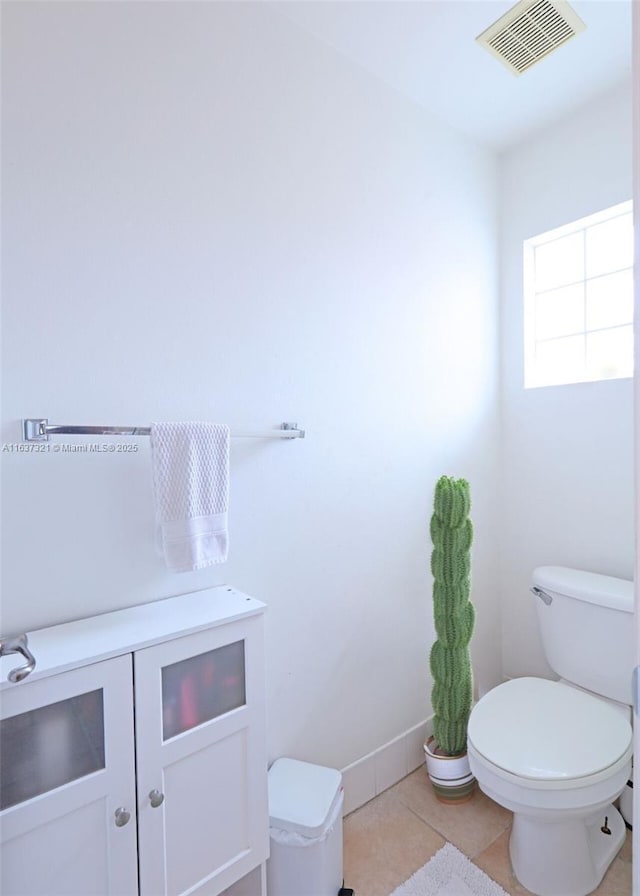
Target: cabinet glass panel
202 688
50 746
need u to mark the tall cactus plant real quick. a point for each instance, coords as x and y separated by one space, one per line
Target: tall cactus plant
450 661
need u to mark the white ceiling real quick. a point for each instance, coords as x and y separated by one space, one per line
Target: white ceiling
426 49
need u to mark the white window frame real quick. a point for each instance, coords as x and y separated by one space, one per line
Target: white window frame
532 377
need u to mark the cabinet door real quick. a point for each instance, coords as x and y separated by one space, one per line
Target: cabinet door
201 760
66 767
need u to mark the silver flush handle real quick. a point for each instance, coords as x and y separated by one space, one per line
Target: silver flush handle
544 597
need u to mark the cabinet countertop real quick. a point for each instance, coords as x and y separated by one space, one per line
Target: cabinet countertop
73 644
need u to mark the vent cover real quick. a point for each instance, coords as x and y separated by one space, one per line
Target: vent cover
530 31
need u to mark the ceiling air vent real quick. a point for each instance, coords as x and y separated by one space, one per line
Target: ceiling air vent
530 31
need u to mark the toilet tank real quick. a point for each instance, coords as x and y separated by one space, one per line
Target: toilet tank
587 628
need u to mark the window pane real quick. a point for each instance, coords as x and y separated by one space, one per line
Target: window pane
202 687
50 746
560 312
609 246
559 361
610 353
610 300
559 262
579 301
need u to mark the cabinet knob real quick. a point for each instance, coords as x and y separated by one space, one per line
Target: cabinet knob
122 816
156 798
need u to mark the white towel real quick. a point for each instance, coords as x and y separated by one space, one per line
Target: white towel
191 484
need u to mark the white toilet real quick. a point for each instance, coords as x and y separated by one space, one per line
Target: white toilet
558 753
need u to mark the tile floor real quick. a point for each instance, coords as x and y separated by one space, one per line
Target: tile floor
389 838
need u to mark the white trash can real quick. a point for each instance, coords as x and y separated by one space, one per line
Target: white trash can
305 818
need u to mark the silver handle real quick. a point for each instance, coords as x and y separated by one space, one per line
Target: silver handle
156 798
544 597
122 816
19 645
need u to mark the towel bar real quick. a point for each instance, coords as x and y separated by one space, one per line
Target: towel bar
39 430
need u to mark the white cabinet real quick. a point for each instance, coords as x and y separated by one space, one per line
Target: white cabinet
201 763
67 765
133 759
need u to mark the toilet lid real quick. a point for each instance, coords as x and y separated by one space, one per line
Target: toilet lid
547 730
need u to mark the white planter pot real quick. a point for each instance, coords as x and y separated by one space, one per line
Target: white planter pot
450 776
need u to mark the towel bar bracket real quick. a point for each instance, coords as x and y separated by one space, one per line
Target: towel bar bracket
291 428
35 430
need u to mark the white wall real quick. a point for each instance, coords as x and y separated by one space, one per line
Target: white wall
636 221
568 450
208 215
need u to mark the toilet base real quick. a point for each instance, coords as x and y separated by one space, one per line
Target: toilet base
565 858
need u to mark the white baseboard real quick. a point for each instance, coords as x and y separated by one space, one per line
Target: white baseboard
377 771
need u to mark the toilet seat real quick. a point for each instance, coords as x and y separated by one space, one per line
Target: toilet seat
548 735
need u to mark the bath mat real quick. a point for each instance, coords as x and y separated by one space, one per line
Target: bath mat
449 873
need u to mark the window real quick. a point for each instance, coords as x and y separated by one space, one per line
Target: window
578 293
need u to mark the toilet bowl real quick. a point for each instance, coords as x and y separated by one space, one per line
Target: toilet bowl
557 757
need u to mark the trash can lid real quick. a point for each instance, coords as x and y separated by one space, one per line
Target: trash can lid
301 795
